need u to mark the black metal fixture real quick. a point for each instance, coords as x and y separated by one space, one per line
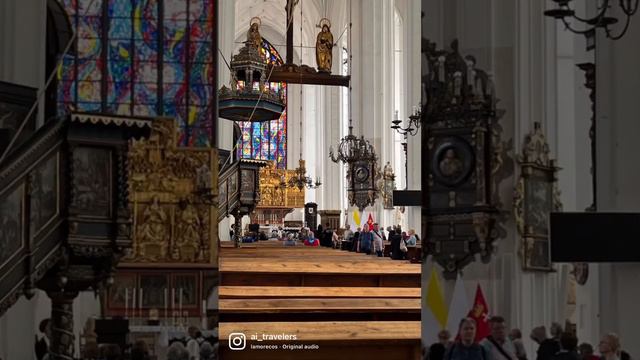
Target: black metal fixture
300 180
603 18
412 126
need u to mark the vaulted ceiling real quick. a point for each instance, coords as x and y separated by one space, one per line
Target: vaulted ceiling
272 14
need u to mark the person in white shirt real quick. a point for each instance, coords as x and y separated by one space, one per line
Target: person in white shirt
378 243
497 344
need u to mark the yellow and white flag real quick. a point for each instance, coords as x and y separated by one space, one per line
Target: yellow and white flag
356 217
434 315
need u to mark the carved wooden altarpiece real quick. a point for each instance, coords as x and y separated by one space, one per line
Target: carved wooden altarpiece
173 201
276 200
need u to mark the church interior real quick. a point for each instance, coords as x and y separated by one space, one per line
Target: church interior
319 179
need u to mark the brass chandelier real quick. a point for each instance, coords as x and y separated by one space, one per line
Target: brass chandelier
300 180
353 149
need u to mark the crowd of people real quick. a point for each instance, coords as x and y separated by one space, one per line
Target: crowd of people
194 346
501 344
371 239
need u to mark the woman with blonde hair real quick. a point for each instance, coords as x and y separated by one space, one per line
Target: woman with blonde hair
610 347
412 241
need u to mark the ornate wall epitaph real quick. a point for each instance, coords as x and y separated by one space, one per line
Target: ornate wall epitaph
536 195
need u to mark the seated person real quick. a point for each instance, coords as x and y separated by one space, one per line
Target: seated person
336 240
290 240
311 240
249 237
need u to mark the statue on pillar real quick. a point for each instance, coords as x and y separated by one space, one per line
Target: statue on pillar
324 47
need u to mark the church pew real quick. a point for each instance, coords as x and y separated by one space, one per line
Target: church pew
323 309
361 340
374 272
267 292
374 265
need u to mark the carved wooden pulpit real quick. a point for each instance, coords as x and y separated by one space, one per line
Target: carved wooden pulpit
65 221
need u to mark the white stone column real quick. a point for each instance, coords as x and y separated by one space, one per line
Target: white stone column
413 91
226 38
23 44
618 173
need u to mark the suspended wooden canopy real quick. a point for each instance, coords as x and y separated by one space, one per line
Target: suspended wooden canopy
294 74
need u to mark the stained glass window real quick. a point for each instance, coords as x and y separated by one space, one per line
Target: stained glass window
266 140
143 58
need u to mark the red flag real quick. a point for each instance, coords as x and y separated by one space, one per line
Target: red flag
480 313
370 222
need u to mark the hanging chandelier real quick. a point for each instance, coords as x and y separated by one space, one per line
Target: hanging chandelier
300 180
603 19
353 149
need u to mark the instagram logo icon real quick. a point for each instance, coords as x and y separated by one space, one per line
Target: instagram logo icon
237 341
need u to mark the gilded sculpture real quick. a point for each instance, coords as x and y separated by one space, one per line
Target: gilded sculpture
253 35
171 191
153 231
324 47
535 196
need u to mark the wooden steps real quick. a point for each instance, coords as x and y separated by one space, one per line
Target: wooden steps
355 340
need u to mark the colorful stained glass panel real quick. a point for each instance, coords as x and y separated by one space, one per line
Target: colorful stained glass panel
127 78
146 51
89 91
201 52
89 27
89 106
89 7
202 73
146 29
119 108
174 51
146 9
89 48
146 72
120 28
145 93
145 110
175 9
120 8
